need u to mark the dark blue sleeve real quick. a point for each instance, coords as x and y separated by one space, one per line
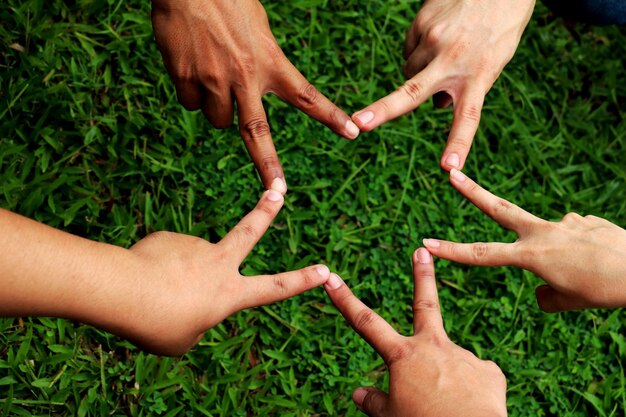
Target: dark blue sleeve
599 12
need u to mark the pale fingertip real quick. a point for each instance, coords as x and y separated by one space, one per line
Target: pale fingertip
431 243
352 129
322 271
334 282
453 161
457 175
364 117
279 185
274 196
358 396
423 256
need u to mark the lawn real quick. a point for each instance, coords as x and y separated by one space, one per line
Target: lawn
93 141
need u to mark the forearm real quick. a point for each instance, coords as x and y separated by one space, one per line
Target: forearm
47 272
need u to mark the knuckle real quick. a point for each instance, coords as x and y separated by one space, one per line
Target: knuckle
183 74
597 221
479 250
267 209
274 52
335 116
470 112
425 306
246 232
571 217
495 368
488 69
457 50
384 105
269 163
412 89
473 188
440 340
422 19
433 35
364 319
496 371
271 52
343 296
400 351
501 207
461 142
255 129
209 79
244 66
308 96
280 285
160 236
307 278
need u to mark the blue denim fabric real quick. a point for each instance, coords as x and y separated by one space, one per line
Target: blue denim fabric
599 12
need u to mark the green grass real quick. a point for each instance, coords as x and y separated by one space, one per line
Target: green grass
93 141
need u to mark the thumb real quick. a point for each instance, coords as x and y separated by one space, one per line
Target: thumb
552 301
371 401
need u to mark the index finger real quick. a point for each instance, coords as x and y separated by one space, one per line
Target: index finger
373 328
247 233
426 311
507 214
257 137
297 91
467 112
406 98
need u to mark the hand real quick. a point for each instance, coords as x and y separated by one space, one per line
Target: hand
162 294
195 284
582 259
429 375
222 51
455 50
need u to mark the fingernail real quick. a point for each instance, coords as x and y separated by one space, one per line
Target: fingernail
365 117
334 282
423 256
322 270
431 243
274 195
353 130
279 185
453 160
358 396
457 175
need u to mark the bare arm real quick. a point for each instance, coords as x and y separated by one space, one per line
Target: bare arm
162 294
